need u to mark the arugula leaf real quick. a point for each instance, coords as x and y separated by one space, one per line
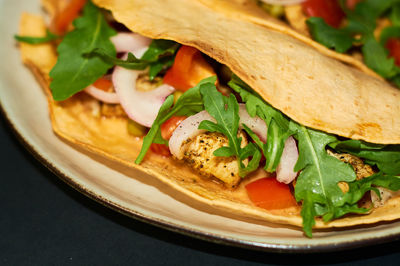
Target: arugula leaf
159 56
38 40
130 63
376 58
191 102
385 157
160 48
357 189
160 65
361 22
389 32
278 124
396 80
395 15
225 110
339 39
73 72
320 173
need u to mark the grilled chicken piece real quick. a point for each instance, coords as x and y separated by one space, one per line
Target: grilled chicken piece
362 170
385 194
199 155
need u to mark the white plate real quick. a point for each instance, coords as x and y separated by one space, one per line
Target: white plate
133 192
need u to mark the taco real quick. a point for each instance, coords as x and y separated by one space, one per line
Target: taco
361 33
329 131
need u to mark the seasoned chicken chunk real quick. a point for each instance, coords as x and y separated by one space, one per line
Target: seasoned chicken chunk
361 169
199 155
385 195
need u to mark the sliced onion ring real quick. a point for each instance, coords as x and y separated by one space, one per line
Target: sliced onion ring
256 124
127 42
285 171
188 128
123 42
140 106
107 97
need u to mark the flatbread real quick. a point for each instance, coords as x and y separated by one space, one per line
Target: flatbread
77 121
246 10
312 89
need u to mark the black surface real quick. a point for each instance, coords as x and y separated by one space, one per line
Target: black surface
45 222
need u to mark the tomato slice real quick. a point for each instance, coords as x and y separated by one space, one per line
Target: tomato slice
160 149
393 45
168 127
189 68
103 84
329 10
67 15
268 193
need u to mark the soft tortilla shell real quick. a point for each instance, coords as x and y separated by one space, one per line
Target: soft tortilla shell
74 121
246 9
312 89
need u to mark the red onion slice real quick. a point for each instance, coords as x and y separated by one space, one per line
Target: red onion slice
285 170
188 128
123 42
107 97
140 106
128 42
256 124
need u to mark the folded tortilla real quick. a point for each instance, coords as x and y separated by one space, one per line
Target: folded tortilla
249 11
309 87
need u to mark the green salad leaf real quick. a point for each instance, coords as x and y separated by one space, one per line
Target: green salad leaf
159 56
225 110
278 124
359 29
340 40
190 103
317 184
38 40
130 63
395 15
358 188
376 58
73 72
385 157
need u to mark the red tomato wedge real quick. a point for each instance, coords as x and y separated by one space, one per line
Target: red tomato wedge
160 149
393 45
103 84
167 128
189 68
268 193
67 15
329 10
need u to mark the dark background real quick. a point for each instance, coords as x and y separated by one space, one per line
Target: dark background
45 222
